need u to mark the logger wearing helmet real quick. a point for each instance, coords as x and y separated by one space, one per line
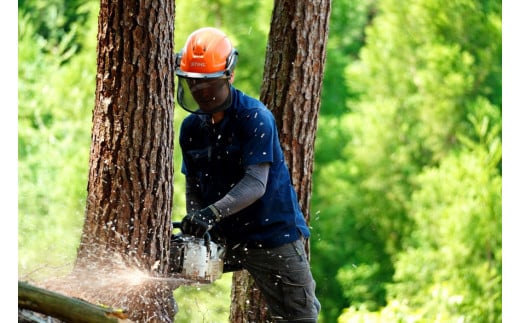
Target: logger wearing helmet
204 69
237 182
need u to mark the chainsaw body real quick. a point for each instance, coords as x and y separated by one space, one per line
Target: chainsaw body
199 259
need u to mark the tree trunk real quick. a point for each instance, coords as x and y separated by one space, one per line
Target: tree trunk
130 187
293 77
293 74
247 306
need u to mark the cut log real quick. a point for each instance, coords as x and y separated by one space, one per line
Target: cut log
65 308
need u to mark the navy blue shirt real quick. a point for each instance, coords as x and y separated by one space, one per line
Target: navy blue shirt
218 154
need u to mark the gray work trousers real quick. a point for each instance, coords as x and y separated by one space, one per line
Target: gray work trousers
283 276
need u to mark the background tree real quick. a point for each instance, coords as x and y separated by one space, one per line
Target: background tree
293 74
130 188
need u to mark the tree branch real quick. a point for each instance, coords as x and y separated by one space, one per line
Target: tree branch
65 308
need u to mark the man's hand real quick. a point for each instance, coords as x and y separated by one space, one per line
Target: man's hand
197 223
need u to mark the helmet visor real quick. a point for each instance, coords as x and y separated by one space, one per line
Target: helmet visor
204 95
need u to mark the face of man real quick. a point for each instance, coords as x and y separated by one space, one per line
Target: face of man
204 95
210 94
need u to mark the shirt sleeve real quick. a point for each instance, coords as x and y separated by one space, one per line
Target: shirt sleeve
259 137
246 192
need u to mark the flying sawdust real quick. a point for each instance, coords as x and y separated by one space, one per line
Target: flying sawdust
114 283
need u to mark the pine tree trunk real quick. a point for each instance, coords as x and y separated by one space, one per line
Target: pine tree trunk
293 75
130 187
247 306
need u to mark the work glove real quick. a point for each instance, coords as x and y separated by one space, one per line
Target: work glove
199 222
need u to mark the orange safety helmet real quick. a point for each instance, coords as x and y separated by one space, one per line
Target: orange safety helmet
208 53
204 68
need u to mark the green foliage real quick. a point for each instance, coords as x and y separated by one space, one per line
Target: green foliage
345 242
450 270
361 284
330 248
346 37
54 122
457 244
424 97
452 265
58 22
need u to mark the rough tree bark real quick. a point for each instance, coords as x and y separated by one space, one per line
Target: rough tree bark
130 187
293 74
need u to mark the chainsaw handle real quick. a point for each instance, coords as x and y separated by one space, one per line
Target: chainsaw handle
177 225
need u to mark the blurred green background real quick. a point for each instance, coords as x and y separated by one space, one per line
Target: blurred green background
407 196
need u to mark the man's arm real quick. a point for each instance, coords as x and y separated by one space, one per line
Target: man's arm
249 189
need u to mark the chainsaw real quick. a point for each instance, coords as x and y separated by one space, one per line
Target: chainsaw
198 259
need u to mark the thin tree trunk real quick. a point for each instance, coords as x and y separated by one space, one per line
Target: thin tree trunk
293 77
293 74
245 306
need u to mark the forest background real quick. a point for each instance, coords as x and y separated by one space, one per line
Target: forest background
407 187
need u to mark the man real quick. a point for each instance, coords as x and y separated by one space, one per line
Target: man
237 183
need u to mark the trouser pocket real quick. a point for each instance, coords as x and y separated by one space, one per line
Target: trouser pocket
284 277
